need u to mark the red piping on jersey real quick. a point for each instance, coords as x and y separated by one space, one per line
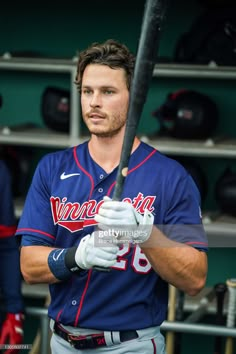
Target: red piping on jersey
154 346
133 169
82 298
86 172
142 162
22 230
7 231
197 243
58 315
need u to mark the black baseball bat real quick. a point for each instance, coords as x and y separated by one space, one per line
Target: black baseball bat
220 291
146 57
144 63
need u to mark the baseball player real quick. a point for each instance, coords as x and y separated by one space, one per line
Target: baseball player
108 263
12 307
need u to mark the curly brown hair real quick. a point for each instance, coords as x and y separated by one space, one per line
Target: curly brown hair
111 53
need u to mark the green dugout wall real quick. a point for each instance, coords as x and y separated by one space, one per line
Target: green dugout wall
54 29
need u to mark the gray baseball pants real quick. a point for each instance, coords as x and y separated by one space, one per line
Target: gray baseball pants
150 341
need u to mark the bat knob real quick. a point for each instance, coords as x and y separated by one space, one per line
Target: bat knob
220 288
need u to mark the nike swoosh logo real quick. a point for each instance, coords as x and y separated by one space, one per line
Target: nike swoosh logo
64 176
57 255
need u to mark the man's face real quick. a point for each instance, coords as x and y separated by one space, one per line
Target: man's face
104 99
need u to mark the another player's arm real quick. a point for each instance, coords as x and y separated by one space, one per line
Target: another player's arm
179 264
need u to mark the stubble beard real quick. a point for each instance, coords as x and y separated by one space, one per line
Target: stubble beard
108 134
112 131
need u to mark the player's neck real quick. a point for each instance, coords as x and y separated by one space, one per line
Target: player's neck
106 152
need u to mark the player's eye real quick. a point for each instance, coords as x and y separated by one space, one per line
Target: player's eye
86 91
108 92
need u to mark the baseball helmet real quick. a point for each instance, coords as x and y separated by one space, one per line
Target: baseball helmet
187 114
225 192
55 108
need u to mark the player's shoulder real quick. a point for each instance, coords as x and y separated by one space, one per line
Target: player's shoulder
159 159
62 155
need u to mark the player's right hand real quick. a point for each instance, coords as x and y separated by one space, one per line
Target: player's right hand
89 254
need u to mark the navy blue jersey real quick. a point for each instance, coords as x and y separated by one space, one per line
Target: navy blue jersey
7 216
66 192
10 276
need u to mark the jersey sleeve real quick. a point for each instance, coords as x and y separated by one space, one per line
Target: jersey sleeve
183 219
7 216
36 219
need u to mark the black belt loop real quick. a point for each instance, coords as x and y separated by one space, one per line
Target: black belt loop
90 341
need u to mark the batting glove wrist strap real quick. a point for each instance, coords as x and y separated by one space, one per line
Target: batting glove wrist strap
70 261
62 263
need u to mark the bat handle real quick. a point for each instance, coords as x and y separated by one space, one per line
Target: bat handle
179 315
170 336
231 284
220 290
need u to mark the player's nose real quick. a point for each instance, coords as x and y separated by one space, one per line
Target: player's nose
95 100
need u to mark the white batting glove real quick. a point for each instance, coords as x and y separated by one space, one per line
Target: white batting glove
124 222
90 254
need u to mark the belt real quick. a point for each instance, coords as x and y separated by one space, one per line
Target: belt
90 341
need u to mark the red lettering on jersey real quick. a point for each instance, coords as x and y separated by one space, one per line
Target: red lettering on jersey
75 216
137 200
70 210
147 203
140 203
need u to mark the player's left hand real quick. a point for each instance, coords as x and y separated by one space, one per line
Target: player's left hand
125 222
12 331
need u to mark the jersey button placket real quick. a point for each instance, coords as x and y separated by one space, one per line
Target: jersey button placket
100 187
